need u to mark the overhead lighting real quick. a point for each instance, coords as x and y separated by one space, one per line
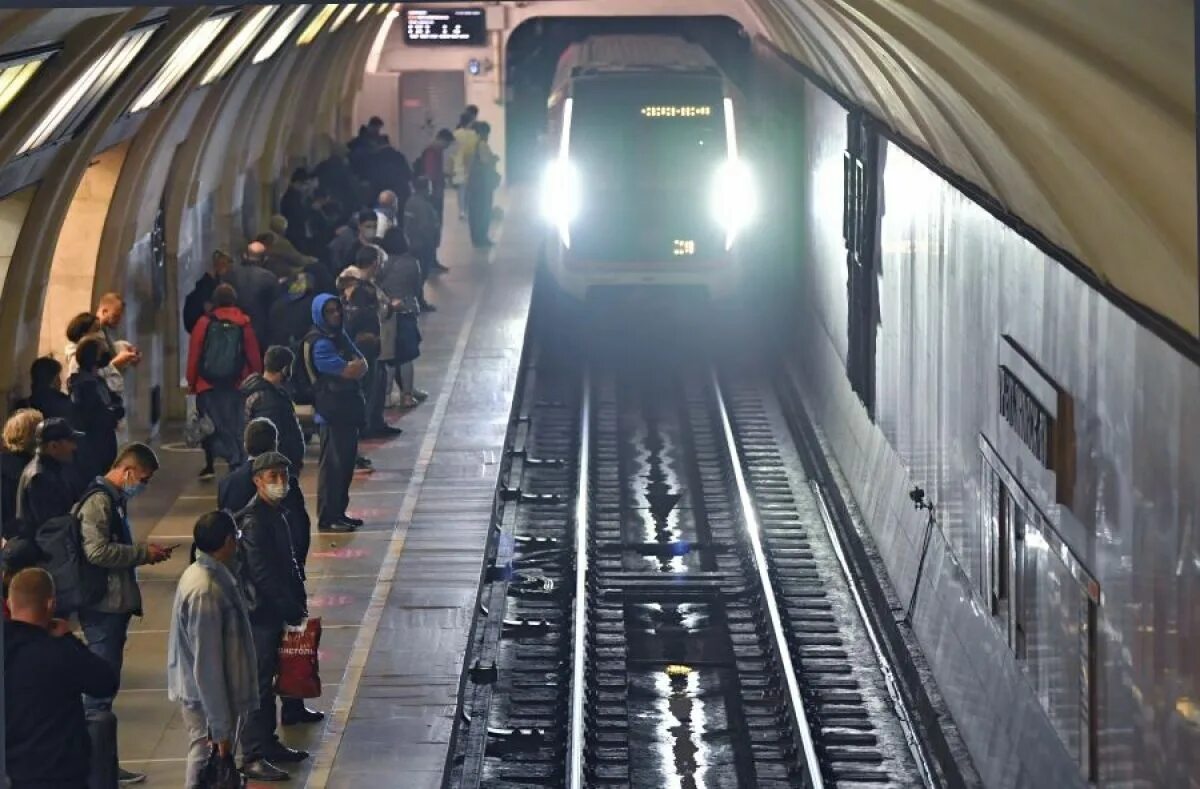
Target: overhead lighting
180 61
240 43
341 18
75 104
364 10
383 7
280 34
16 73
318 22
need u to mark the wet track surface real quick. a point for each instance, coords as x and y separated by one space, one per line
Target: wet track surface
686 683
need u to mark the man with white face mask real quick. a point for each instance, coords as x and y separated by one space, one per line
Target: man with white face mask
275 598
108 546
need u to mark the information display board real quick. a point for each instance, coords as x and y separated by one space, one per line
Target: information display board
460 27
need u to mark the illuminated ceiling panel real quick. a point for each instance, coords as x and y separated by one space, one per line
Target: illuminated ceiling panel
363 11
15 74
341 18
382 8
182 59
240 43
75 104
280 34
318 22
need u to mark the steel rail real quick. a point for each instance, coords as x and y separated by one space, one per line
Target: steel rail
577 722
754 532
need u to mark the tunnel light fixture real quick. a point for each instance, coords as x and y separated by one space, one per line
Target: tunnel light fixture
314 27
15 73
383 8
363 11
181 60
74 105
339 20
238 45
280 34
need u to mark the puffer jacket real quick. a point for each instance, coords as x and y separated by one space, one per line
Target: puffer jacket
210 649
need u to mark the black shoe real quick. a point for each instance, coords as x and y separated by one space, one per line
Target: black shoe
437 266
428 308
129 777
355 522
381 431
338 527
207 473
301 715
284 755
361 462
262 770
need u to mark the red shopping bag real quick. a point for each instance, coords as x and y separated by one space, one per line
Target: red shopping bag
299 674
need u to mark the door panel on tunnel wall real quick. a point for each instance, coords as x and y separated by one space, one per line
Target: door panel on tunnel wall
429 100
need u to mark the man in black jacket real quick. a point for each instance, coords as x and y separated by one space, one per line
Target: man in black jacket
276 598
199 302
267 396
46 672
49 486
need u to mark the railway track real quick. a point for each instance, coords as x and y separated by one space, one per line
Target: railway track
665 605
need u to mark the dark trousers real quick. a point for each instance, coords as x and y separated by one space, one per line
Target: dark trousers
258 734
224 407
376 386
479 213
299 524
339 449
105 634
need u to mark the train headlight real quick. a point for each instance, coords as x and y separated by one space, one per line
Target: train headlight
734 198
562 197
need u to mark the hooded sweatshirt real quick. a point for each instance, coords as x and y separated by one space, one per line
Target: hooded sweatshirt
250 346
332 350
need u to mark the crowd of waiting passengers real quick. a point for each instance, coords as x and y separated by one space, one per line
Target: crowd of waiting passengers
321 310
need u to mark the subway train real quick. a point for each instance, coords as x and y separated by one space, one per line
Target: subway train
645 188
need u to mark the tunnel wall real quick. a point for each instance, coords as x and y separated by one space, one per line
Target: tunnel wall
962 296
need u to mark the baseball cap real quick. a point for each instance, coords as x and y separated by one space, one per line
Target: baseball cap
56 429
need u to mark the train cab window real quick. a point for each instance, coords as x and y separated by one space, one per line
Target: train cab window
1045 603
648 149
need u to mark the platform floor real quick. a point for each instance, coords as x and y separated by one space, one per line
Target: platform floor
396 597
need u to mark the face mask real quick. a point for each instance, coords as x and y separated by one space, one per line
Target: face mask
277 490
133 488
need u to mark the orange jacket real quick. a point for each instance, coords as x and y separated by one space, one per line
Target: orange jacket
196 384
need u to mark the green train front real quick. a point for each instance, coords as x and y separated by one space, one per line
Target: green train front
645 189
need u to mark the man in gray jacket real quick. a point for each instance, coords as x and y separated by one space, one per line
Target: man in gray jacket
108 544
211 669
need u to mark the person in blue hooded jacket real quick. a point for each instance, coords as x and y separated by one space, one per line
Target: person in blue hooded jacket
336 368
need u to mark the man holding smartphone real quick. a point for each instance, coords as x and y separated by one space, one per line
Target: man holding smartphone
108 544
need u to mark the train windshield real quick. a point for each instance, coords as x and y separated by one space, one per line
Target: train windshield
647 130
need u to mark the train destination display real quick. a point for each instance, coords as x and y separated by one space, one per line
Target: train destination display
445 26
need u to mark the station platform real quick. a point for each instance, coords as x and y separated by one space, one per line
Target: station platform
396 598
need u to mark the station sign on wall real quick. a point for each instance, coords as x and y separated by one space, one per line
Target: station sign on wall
1039 415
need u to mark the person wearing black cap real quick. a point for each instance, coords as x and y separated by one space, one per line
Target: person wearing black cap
49 485
294 204
275 598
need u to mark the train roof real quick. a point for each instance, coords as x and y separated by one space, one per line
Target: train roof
601 54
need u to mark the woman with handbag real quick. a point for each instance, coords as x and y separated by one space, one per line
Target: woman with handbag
211 668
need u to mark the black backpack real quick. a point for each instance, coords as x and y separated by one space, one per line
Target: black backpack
221 357
303 375
78 583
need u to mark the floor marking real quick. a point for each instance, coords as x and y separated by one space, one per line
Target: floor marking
335 727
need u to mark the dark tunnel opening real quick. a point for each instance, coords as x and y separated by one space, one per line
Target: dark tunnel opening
535 47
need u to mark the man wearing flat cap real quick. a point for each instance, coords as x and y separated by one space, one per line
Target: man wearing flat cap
275 598
49 486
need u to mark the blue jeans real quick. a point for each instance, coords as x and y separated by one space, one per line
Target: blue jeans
105 634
